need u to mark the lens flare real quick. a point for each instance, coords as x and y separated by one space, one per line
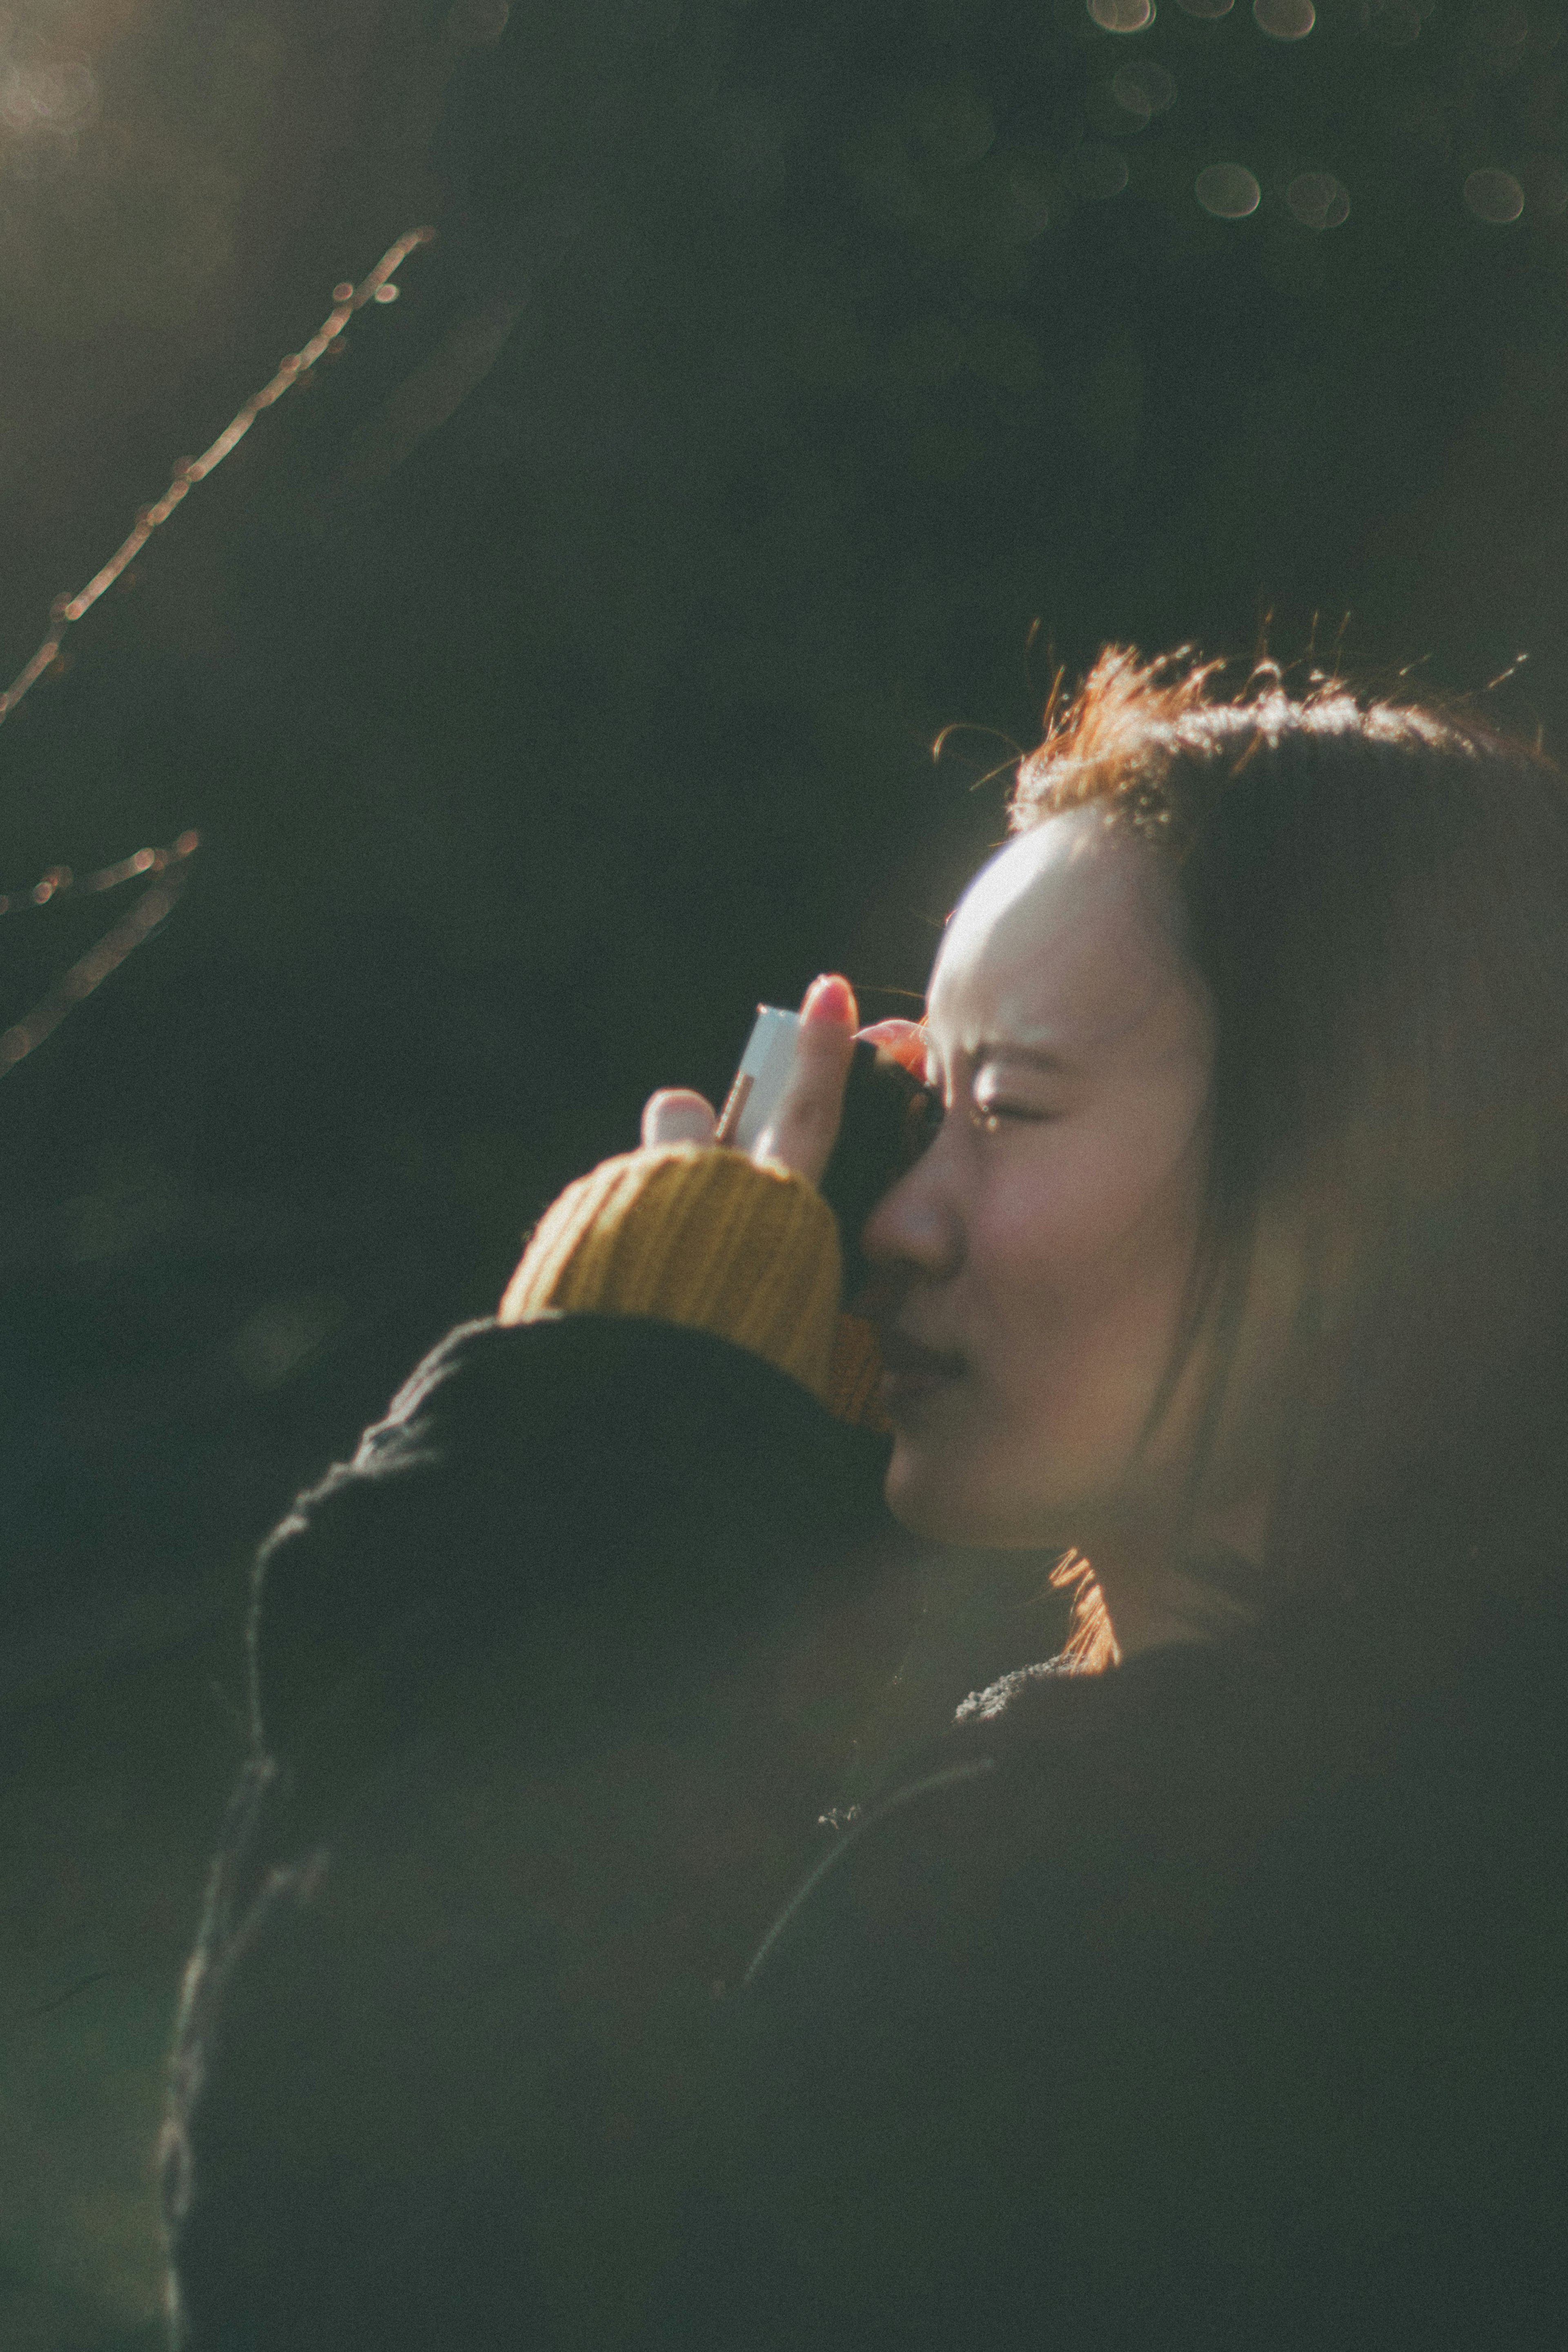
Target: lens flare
1122 16
1318 200
1284 20
1228 191
1494 196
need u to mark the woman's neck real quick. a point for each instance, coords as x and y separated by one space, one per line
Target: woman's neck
1160 1590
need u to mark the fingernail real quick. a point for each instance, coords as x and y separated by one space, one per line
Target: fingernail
830 998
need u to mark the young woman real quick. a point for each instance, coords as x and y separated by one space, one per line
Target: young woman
1206 1985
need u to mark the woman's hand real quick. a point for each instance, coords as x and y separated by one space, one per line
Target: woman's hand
806 1125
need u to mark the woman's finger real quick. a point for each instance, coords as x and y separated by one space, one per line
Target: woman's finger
677 1115
805 1125
904 1040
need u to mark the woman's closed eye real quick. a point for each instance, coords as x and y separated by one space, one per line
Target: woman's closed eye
991 1113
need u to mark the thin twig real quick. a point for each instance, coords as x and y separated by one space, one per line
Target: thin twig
346 300
59 882
90 970
111 950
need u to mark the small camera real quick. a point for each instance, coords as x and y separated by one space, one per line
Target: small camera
889 1116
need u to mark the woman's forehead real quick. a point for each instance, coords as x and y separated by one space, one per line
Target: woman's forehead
1070 930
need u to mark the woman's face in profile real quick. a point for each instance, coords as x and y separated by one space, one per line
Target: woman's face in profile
1037 1257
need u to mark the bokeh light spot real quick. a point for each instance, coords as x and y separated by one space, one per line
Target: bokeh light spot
1142 89
1318 200
1228 191
1094 171
388 293
1394 23
1284 20
477 23
1494 196
1122 16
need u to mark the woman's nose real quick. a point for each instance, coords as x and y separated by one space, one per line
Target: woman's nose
914 1229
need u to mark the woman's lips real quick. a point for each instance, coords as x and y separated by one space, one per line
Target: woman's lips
912 1370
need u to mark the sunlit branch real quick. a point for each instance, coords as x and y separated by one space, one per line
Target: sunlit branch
346 300
85 974
90 970
59 882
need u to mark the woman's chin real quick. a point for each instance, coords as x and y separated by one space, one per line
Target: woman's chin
927 1493
943 1495
917 1500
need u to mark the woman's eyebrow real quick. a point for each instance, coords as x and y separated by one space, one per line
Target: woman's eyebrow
1039 1057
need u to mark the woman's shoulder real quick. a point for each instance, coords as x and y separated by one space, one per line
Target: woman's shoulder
515 1459
994 1838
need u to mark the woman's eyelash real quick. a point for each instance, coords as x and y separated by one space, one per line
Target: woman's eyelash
990 1115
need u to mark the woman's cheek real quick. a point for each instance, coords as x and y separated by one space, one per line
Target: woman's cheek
1036 1236
1075 1338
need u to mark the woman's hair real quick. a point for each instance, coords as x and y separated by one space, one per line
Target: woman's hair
1376 894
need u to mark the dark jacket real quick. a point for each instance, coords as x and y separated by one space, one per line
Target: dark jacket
1218 2000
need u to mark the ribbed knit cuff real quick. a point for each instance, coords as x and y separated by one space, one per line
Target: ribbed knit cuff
690 1234
853 1372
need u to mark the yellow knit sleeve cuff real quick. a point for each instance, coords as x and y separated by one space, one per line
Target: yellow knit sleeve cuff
854 1370
690 1234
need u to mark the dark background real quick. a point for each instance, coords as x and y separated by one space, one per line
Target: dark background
556 675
